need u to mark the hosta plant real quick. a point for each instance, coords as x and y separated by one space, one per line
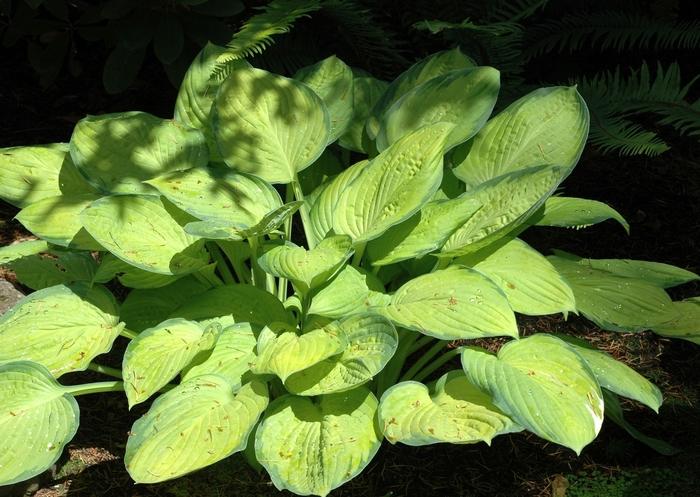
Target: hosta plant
303 266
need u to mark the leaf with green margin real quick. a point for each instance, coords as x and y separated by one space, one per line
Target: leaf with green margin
367 91
38 419
116 152
307 269
332 80
158 354
452 303
348 293
655 273
57 220
686 324
616 376
16 251
29 174
424 70
269 125
132 277
61 327
425 232
145 308
463 98
311 446
231 357
54 267
507 202
613 302
370 341
393 186
543 385
245 303
457 412
532 285
142 231
572 212
546 126
214 194
192 426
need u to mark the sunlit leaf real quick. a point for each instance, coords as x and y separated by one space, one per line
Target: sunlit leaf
571 212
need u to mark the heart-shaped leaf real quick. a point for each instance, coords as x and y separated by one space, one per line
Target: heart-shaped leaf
347 294
16 251
366 92
54 267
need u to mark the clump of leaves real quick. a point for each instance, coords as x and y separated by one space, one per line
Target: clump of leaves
307 350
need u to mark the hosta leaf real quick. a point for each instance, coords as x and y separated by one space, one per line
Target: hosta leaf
366 92
16 251
57 220
686 324
158 354
613 302
269 125
463 98
244 303
507 202
616 376
326 167
546 126
370 341
346 294
543 385
425 232
29 174
141 231
424 70
130 276
192 426
332 80
38 419
457 412
393 186
452 303
61 327
145 308
311 446
116 152
54 267
532 285
231 357
307 269
571 212
219 194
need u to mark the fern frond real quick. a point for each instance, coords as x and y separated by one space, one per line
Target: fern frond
494 29
611 30
615 134
257 33
514 10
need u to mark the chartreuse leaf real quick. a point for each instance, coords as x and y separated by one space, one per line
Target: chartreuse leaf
506 202
571 212
370 341
311 446
452 303
686 324
546 126
616 376
57 220
542 384
38 419
457 412
269 125
655 273
54 267
158 354
16 251
244 303
366 92
116 152
463 98
192 426
61 327
29 174
532 285
132 277
425 232
141 231
231 357
432 66
307 269
332 80
393 186
613 302
348 293
219 194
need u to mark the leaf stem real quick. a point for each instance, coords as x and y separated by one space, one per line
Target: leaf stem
304 211
441 263
99 387
221 264
282 282
128 334
388 376
259 276
359 252
430 368
99 368
424 359
420 343
241 270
